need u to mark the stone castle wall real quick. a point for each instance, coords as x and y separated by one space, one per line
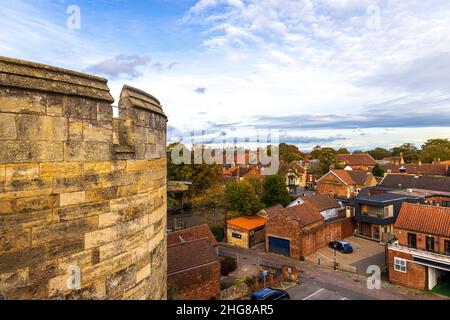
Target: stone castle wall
82 195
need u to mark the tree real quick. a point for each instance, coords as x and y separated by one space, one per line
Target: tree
275 191
435 149
326 159
343 151
409 150
257 183
378 171
289 153
241 197
379 153
202 176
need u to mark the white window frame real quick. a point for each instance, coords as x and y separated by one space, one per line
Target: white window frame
401 265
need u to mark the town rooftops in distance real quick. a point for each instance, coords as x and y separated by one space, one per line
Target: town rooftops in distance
356 159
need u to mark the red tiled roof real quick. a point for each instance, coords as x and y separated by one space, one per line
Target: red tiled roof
270 212
356 159
306 213
187 255
353 177
248 223
424 219
190 234
423 169
322 201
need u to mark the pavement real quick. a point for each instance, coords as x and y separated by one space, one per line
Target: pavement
365 253
323 283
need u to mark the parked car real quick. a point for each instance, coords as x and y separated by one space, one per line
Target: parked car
342 246
270 294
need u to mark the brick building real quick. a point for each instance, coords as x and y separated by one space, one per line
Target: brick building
193 264
345 184
302 229
420 258
363 162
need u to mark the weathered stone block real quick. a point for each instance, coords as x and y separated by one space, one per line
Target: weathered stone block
38 128
75 184
62 230
97 131
17 171
104 112
80 211
69 199
55 105
120 281
14 238
30 184
98 151
137 165
8 129
80 108
19 101
11 262
62 169
97 167
35 204
25 151
75 130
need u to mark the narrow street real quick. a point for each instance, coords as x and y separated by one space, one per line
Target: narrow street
321 283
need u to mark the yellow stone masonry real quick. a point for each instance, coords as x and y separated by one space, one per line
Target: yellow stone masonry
82 195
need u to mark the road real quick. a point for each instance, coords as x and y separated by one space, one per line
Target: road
320 283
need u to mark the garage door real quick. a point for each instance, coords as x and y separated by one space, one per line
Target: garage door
280 246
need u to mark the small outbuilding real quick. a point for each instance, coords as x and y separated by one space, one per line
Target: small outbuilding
246 232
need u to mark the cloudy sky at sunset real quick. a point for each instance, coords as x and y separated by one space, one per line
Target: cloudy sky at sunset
341 73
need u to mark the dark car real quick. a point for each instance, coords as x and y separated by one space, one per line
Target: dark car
270 294
342 246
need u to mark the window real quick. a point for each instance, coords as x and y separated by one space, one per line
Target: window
446 203
236 235
447 247
400 265
430 244
412 240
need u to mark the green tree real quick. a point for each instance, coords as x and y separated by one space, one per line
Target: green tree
343 151
379 153
241 197
326 160
409 150
275 191
257 183
202 176
435 149
378 171
289 153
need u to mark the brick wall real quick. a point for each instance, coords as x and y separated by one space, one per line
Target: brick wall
79 191
201 283
283 227
322 235
330 184
439 242
415 277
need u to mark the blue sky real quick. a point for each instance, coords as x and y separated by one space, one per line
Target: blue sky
341 73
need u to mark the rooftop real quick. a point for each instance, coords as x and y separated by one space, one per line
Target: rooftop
190 234
405 181
248 222
181 256
424 219
357 159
